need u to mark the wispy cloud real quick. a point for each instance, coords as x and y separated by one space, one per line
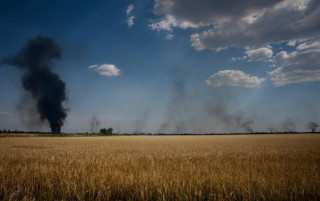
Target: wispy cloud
130 19
129 9
4 113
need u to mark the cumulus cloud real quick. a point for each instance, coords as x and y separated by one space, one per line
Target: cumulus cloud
241 23
302 65
129 9
313 45
106 69
130 21
164 24
289 23
251 24
259 54
234 78
197 13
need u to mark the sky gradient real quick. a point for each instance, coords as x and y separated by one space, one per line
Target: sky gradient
165 66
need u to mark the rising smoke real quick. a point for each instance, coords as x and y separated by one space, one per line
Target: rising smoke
94 124
233 121
246 124
141 122
191 109
312 126
187 113
45 86
175 108
288 126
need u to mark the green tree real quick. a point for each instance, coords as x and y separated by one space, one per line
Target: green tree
105 131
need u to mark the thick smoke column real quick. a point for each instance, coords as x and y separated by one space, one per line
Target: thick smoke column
312 126
44 85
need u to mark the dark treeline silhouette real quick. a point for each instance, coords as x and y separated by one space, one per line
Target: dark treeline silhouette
153 134
20 131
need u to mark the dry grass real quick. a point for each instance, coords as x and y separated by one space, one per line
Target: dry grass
264 167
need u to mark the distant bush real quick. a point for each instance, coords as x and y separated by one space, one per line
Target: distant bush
105 131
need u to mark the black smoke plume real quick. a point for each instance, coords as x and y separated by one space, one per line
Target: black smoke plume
45 86
312 126
95 123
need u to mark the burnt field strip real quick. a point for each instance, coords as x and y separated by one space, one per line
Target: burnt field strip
235 167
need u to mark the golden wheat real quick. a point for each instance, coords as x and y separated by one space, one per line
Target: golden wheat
262 167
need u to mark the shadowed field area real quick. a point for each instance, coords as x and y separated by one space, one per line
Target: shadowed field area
244 167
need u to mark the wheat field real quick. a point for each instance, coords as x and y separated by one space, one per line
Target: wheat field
244 167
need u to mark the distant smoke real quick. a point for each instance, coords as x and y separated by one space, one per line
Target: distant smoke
271 129
174 108
233 121
45 86
246 125
141 123
187 113
288 126
95 123
312 126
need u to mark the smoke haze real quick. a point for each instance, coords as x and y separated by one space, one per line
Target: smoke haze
94 124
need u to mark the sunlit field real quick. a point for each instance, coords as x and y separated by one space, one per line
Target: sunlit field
244 167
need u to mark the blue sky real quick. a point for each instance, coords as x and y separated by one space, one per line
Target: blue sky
171 66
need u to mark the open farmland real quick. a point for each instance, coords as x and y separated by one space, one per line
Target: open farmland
244 167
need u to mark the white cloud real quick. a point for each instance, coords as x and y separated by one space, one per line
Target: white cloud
259 54
197 13
252 24
129 9
170 21
302 65
292 43
164 24
167 23
313 45
234 78
130 21
106 69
